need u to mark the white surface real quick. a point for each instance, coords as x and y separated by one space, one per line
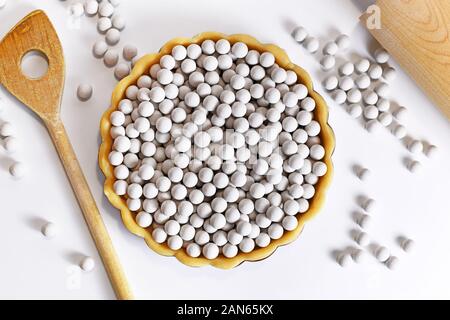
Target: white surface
413 205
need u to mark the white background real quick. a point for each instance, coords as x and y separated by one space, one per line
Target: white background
415 205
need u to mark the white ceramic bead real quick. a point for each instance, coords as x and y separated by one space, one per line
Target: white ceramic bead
134 191
7 129
262 240
246 206
358 255
308 191
291 207
355 110
392 263
219 205
175 242
368 205
223 46
172 227
347 69
220 238
247 245
304 205
363 81
344 259
339 96
218 220
370 97
383 105
112 36
220 99
301 91
385 118
381 56
290 124
415 146
299 34
319 169
129 52
257 190
84 92
364 221
363 239
77 10
18 170
121 172
49 230
120 187
313 128
354 96
11 144
382 89
87 264
118 22
275 231
389 73
414 166
210 63
278 75
110 58
159 235
267 59
431 151
134 204
311 44
371 112
399 131
343 41
230 251
91 7
328 62
331 48
121 71
99 49
363 174
252 57
346 83
239 50
290 223
304 118
382 254
400 113
375 71
105 9
362 66
234 237
193 250
144 219
331 83
408 245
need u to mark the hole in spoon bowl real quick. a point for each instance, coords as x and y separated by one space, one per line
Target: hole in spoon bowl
34 64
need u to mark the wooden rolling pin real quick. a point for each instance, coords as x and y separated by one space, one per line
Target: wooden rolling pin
417 34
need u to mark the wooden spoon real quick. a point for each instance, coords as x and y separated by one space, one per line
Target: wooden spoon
35 33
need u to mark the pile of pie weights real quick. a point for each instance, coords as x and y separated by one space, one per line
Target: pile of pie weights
216 150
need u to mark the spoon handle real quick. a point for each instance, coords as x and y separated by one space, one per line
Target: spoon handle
90 211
